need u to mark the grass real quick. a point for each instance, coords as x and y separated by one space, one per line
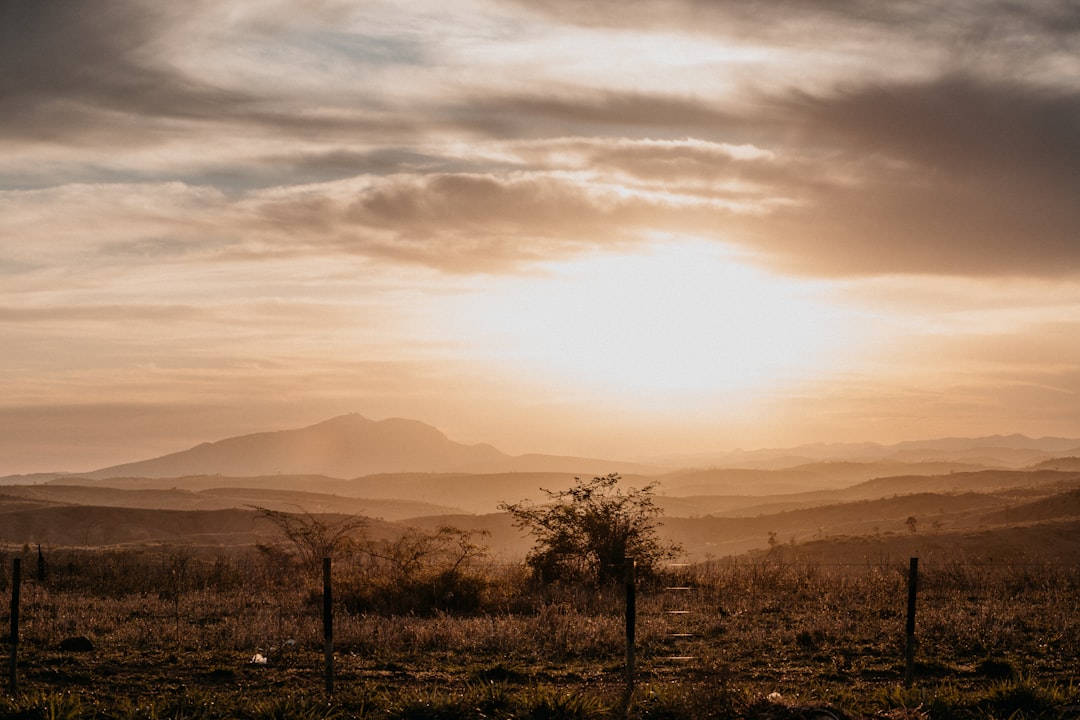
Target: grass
774 637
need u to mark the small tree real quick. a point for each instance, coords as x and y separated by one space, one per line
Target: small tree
422 570
585 533
311 538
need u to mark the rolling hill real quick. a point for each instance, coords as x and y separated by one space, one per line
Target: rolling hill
217 498
405 473
990 504
93 526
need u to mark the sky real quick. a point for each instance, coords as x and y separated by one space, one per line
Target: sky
636 229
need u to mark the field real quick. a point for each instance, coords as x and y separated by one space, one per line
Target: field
178 634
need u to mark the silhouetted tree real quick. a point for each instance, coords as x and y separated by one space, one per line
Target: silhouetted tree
585 533
423 570
311 538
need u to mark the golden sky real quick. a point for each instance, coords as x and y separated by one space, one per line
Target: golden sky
631 229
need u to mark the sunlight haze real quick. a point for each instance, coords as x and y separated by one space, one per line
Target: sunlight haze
624 230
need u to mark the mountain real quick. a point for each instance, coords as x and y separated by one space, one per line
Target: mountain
796 479
1003 451
349 446
344 447
352 446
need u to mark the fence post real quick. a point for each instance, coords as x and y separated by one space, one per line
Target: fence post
13 668
909 651
631 623
328 626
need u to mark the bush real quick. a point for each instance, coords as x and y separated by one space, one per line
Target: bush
586 533
420 572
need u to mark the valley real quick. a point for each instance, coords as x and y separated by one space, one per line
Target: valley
796 566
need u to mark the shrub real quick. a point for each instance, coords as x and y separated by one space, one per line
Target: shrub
310 538
420 572
586 533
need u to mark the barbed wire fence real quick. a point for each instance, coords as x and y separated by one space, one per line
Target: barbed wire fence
682 623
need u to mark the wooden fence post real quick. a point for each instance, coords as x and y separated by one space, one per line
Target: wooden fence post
328 626
631 623
13 668
909 651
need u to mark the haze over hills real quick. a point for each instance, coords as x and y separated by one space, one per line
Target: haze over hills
215 497
351 446
406 473
710 512
347 446
1012 451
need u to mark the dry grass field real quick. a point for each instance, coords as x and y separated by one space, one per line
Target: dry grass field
176 634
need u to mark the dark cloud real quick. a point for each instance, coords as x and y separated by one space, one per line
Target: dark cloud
302 168
954 176
959 175
455 222
99 73
956 124
734 18
74 68
786 20
1051 18
473 222
605 112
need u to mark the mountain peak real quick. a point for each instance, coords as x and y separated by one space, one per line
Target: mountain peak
345 446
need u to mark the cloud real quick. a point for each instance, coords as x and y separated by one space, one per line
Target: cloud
869 174
604 112
954 176
119 74
455 222
502 222
72 229
76 71
783 18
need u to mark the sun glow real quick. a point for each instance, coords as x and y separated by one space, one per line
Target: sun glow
679 320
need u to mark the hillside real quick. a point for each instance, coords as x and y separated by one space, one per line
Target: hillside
878 511
1071 463
718 536
1055 507
981 481
91 526
217 498
941 522
482 493
468 492
797 478
396 471
1054 541
1004 451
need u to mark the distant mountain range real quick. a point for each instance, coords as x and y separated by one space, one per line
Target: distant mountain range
351 446
400 473
1003 451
